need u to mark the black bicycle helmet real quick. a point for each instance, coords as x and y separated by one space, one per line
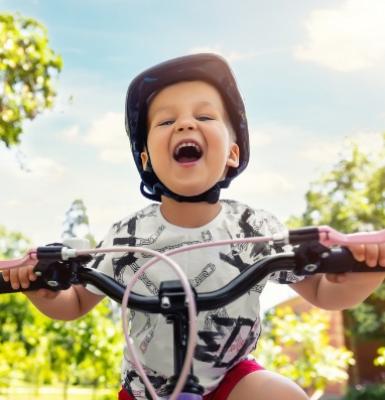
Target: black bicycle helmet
207 67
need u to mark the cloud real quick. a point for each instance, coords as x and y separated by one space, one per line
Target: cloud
260 137
46 167
72 134
325 151
262 182
350 37
108 136
368 142
320 151
15 165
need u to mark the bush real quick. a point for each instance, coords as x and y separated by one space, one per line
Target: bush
366 392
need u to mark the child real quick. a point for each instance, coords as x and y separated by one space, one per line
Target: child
186 122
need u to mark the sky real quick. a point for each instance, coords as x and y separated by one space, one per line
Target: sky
311 74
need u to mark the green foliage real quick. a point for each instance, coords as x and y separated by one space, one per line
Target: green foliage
298 346
27 65
379 361
12 244
40 350
351 197
87 350
369 392
12 355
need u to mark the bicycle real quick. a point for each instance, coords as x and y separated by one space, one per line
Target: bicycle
58 266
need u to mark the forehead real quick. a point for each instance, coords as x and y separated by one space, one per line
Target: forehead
189 92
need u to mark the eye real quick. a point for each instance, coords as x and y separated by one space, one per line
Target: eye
204 118
166 122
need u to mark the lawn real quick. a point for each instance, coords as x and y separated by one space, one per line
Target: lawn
56 393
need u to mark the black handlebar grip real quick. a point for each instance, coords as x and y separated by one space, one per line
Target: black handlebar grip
340 260
39 283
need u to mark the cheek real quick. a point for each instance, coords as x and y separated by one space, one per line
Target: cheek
158 151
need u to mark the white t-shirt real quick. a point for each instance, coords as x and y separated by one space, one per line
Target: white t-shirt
226 335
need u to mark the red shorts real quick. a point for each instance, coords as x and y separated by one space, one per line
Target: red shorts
235 374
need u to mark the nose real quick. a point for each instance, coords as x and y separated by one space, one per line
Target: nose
186 124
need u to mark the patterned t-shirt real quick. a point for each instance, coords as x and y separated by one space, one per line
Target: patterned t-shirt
226 335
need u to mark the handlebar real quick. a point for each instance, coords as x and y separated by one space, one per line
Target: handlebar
306 259
59 266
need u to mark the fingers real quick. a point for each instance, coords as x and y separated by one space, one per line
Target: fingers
371 254
381 260
358 251
20 277
5 275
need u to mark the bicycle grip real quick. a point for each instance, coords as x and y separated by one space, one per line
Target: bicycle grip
39 283
341 260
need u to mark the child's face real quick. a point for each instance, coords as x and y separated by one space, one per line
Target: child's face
189 138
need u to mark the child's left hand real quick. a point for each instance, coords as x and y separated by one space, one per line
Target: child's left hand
372 255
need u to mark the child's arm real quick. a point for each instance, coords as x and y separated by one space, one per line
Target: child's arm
64 305
67 305
341 291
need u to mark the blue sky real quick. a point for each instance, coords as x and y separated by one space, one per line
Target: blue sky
311 73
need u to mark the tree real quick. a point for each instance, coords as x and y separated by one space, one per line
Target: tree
86 351
348 197
351 197
297 346
380 360
14 313
76 223
41 350
12 244
27 66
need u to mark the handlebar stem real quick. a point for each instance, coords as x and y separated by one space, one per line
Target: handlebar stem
172 299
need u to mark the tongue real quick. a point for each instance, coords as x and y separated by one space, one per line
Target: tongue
187 154
183 160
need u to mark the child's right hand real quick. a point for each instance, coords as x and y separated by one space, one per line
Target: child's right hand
21 278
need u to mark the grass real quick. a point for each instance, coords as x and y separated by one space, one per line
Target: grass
50 393
30 396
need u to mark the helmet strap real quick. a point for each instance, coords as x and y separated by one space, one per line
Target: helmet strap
210 196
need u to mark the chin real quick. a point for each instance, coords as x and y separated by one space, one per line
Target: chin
190 191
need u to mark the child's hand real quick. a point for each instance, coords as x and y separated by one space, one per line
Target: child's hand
372 255
21 277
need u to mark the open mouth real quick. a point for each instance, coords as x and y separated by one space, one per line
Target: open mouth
187 152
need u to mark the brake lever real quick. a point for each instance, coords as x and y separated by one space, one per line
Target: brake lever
57 273
308 257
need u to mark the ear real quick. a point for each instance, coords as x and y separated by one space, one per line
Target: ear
144 157
233 158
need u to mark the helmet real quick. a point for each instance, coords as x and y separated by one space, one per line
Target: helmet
207 67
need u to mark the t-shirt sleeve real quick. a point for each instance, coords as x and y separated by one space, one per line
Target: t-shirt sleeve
102 261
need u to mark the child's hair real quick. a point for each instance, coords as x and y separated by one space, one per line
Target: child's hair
207 67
